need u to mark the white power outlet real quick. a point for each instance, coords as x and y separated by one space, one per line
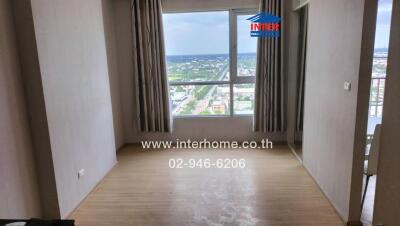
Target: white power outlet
347 86
81 173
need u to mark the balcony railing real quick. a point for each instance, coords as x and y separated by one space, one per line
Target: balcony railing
377 86
376 96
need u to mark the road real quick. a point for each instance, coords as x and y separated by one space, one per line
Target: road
202 104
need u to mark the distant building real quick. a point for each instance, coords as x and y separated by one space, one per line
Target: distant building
219 107
178 96
244 91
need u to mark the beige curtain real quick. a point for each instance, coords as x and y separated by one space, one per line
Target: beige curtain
269 115
151 83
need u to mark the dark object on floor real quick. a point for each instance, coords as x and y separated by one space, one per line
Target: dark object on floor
38 222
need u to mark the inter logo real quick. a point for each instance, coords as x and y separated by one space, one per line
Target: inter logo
265 25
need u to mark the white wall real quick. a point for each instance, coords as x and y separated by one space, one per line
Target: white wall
335 34
31 77
226 128
113 71
73 63
19 193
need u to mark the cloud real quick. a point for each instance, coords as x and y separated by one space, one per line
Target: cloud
196 33
385 8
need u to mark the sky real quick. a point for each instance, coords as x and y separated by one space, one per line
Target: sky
383 24
208 32
204 33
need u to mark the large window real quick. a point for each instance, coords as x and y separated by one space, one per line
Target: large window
211 63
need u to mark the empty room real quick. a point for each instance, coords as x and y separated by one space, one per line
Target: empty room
199 112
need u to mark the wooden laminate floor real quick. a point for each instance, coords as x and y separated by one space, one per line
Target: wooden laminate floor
274 189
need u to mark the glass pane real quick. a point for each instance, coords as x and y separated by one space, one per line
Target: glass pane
200 100
374 90
243 95
372 110
381 91
379 64
247 48
379 111
197 46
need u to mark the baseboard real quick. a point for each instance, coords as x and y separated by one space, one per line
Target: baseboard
69 215
350 223
344 220
294 153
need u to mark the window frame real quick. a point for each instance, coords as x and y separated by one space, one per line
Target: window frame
234 79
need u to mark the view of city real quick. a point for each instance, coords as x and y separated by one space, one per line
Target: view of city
215 99
209 99
378 83
198 63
